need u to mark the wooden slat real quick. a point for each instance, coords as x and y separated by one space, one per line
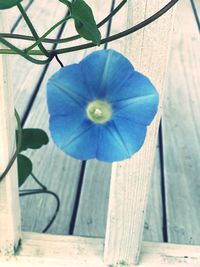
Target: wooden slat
92 211
14 14
153 226
181 131
130 182
54 251
9 200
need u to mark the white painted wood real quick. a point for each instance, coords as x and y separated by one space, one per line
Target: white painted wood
42 250
9 201
14 15
92 210
181 130
130 182
153 226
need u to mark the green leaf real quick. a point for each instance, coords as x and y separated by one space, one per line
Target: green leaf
84 20
33 138
24 168
4 4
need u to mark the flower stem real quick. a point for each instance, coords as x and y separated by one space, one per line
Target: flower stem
32 29
40 40
68 39
14 50
105 40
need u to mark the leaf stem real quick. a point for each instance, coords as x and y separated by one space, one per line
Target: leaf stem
68 39
32 29
114 37
15 50
40 40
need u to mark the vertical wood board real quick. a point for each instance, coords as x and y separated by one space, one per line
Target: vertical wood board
9 200
181 130
130 180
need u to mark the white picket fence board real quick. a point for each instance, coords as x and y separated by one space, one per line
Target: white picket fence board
9 200
181 130
130 182
41 250
153 226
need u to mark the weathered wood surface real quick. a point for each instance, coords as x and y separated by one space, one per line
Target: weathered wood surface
9 200
131 179
181 131
89 222
41 250
97 181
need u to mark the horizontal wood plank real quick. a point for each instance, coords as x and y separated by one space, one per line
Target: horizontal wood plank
42 250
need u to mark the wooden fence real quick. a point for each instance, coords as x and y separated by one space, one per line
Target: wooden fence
130 181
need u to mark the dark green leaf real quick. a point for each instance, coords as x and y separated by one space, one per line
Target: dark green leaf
84 20
33 138
24 168
4 4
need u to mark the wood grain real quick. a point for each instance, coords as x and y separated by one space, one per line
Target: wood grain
181 131
41 250
153 226
9 200
130 180
92 211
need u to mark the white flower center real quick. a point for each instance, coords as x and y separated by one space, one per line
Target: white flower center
99 111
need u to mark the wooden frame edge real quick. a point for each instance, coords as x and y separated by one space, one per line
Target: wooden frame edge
73 251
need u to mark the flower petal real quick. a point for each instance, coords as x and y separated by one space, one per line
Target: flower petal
62 127
61 103
119 140
70 80
137 110
75 135
137 85
105 71
111 147
132 134
84 147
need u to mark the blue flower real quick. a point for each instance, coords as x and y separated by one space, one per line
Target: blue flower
101 107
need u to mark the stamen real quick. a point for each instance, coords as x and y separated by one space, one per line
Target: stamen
98 112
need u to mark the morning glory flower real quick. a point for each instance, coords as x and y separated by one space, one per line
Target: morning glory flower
101 107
